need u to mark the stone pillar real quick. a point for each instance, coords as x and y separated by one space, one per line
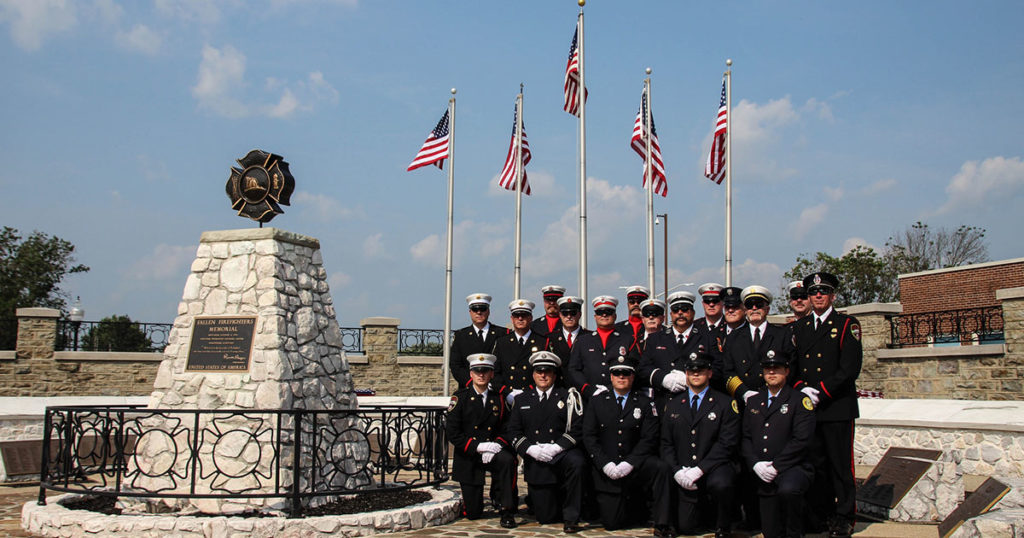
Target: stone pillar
380 342
875 335
37 332
296 362
1013 335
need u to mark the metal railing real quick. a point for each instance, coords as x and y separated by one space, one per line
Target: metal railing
421 342
8 333
352 339
111 336
134 452
967 326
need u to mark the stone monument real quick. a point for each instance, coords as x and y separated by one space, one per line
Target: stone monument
255 330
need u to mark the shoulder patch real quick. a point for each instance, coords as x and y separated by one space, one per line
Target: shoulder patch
855 330
807 404
735 407
452 402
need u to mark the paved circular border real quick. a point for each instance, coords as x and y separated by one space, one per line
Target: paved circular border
56 520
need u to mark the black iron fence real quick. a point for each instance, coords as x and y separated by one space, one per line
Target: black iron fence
421 342
8 333
967 326
134 452
111 336
352 339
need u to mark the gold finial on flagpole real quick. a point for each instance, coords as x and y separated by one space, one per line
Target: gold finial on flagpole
581 2
648 70
728 62
453 91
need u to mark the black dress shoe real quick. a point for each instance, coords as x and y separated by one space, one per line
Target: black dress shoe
508 521
722 533
840 529
571 527
664 532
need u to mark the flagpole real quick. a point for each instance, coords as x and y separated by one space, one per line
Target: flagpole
581 99
519 190
649 180
728 173
446 373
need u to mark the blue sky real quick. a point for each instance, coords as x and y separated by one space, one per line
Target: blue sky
851 121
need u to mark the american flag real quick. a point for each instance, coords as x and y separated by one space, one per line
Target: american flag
572 77
435 149
508 173
639 144
715 167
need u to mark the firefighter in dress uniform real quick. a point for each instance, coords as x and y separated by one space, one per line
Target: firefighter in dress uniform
595 351
478 337
662 364
550 322
512 372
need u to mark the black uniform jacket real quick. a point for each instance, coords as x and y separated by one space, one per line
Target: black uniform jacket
743 363
540 326
707 439
612 434
532 422
513 371
557 345
780 434
589 360
829 360
469 423
465 342
625 326
662 354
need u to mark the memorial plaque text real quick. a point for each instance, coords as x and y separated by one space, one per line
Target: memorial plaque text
221 344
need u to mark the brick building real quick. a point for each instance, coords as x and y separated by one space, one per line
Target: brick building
953 288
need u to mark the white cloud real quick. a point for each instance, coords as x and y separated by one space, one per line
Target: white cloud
481 240
140 38
286 3
108 11
373 247
819 108
338 280
221 85
428 250
323 207
809 218
834 194
203 12
34 21
879 186
164 262
752 122
977 182
854 242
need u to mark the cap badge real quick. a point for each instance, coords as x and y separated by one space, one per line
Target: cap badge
771 354
784 409
693 356
622 359
712 416
622 350
817 278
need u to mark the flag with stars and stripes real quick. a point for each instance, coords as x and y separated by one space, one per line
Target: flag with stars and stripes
508 173
572 77
715 167
639 144
435 149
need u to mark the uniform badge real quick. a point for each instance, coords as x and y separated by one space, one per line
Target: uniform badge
834 332
622 350
735 408
534 349
784 409
636 413
752 410
673 416
712 416
855 331
452 402
807 404
561 404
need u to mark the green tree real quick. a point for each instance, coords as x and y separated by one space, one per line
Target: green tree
921 248
864 276
31 270
116 333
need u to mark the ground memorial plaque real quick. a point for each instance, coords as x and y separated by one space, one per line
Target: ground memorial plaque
891 479
977 503
220 343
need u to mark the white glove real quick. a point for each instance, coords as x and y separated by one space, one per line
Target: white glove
680 477
762 472
693 474
811 393
537 452
747 395
512 396
487 457
599 389
671 380
488 447
624 469
551 450
611 470
771 470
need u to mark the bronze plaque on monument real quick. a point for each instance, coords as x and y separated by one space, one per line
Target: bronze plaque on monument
221 344
977 503
898 470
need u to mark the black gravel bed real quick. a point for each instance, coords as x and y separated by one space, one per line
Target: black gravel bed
364 502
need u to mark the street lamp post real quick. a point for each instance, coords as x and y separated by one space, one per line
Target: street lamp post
76 316
665 250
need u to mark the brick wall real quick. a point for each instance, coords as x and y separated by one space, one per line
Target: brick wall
970 286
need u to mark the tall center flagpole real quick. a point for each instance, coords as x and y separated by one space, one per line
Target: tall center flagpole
728 173
446 374
581 99
519 190
649 180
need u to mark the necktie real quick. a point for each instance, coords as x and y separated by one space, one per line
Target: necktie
522 341
693 404
480 333
621 400
568 340
757 337
770 398
681 339
543 397
817 322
